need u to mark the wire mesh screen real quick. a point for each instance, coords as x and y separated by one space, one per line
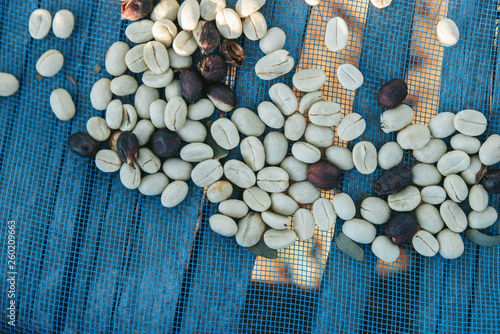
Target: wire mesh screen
94 257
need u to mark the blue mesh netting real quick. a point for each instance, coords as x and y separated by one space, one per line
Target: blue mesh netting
93 257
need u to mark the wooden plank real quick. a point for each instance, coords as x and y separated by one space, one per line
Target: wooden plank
346 283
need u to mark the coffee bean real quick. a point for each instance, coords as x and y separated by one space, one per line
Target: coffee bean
178 62
209 8
165 143
441 125
188 14
283 205
115 59
157 80
275 220
62 104
453 216
309 80
344 206
393 181
184 43
303 224
303 192
222 96
129 119
309 100
306 152
135 59
397 118
375 210
456 188
276 147
468 144
489 154
295 126
470 122
233 208
253 153
381 3
144 96
273 179
108 161
478 198
98 129
202 109
245 8
414 137
351 127
127 147
271 115
401 228
364 156
324 214
40 22
273 40
143 131
82 144
336 34
196 152
429 218
349 76
390 155
274 65
239 174
384 249
148 161
483 219
229 23
153 184
491 182
233 53
130 176
431 152
101 94
447 32
451 245
324 175
206 173
359 230
257 199
223 225
425 244
433 195
225 133
140 31
50 63
247 122
279 239
405 200
156 56
175 113
219 191
453 162
174 194
340 156
8 84
319 136
392 93
250 229
325 113
425 175
114 114
283 97
254 26
177 169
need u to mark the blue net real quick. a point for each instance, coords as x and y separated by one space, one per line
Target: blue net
91 256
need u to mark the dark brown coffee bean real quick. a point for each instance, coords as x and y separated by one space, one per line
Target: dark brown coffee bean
401 228
392 93
127 147
209 38
213 68
165 143
82 145
393 181
233 53
222 96
191 85
491 182
324 175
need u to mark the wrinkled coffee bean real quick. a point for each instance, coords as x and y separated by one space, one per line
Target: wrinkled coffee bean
82 145
393 181
392 93
401 228
222 96
165 143
127 147
491 182
191 85
134 10
324 175
213 68
209 38
233 53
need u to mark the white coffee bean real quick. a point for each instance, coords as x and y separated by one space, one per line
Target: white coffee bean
451 245
453 216
193 132
453 162
276 147
384 249
200 110
206 173
130 176
489 154
295 126
50 63
98 129
470 122
483 219
283 204
351 127
253 153
283 97
405 200
157 113
472 173
135 59
148 161
143 131
157 80
184 43
239 173
364 156
115 58
210 8
425 175
250 229
219 191
274 65
303 192
144 97
478 198
303 224
456 188
245 8
196 152
433 195
140 31
233 208
173 90
447 32
108 161
319 136
324 214
271 115
8 84
468 144
164 31
225 133
114 114
39 23
63 24
344 206
309 100
123 85
309 80
223 225
175 113
336 34
340 156
229 23
414 137
390 155
306 152
274 39
247 122
177 169
441 125
273 179
188 14
153 184
296 169
129 118
166 9
174 194
62 104
255 26
375 210
279 239
425 244
313 2
178 62
431 152
381 3
156 56
429 218
396 119
257 199
349 76
359 230
325 113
